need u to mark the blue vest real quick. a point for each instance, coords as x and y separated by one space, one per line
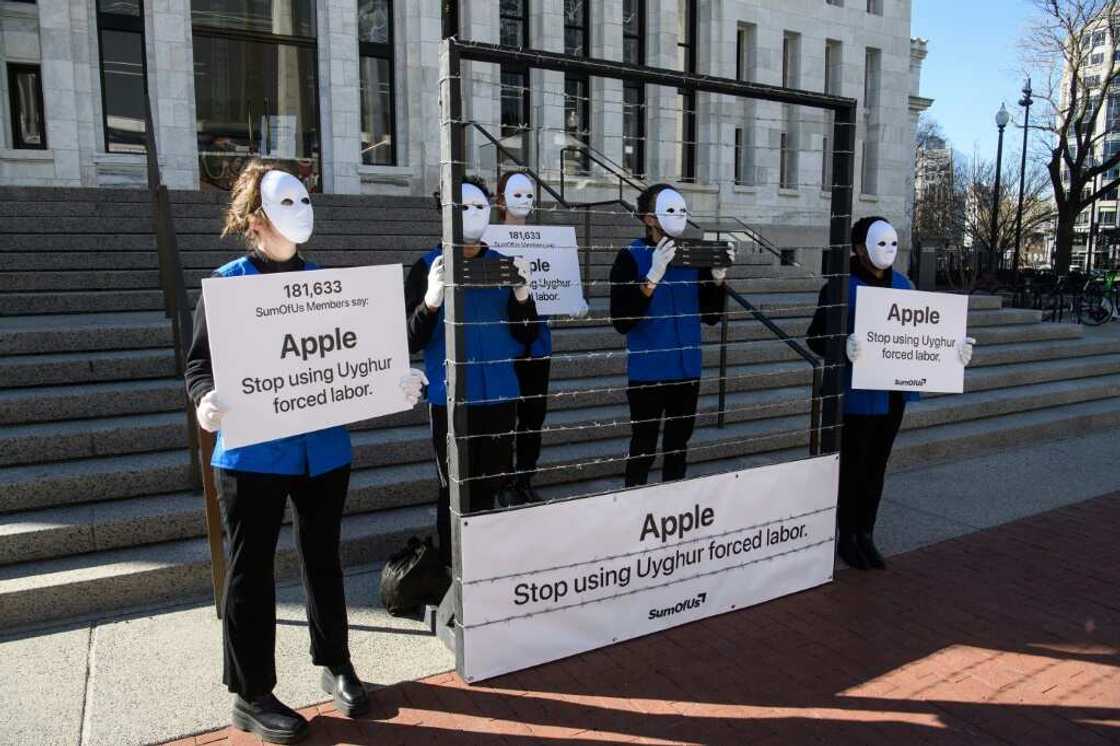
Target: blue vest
542 345
665 346
309 453
868 401
486 381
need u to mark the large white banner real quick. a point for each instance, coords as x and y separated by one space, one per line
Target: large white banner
549 581
554 256
295 352
910 340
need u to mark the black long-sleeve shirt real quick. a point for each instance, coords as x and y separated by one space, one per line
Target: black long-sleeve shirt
629 305
422 320
199 372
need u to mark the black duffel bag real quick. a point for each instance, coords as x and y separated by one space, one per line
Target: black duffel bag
413 577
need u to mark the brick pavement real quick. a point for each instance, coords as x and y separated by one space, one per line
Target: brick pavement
1010 635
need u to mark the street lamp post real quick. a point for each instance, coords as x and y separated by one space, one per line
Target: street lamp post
1025 102
1002 118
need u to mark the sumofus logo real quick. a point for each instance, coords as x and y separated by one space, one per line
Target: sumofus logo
909 382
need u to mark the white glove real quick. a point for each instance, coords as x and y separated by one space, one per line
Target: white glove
965 351
521 292
433 298
719 274
662 255
853 348
210 412
583 310
412 383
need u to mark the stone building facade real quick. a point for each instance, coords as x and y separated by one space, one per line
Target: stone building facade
345 92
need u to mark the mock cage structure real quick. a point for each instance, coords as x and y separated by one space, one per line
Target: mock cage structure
752 354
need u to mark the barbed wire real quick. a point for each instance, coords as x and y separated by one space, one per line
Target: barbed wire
629 457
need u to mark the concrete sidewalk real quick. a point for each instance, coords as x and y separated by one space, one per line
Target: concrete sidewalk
156 676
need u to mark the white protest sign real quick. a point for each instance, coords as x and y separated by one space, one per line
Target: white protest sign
554 255
549 581
910 340
295 352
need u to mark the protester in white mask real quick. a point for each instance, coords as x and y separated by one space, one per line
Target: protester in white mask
517 193
871 418
660 307
500 323
271 211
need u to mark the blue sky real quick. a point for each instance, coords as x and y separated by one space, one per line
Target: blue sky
973 65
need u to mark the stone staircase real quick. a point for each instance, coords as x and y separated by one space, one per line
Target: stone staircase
97 513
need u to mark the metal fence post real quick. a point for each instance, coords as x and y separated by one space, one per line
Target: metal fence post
451 184
835 268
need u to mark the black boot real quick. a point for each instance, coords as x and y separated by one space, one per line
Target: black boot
270 719
525 488
847 547
342 683
869 551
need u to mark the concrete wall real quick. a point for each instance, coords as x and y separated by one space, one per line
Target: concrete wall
61 35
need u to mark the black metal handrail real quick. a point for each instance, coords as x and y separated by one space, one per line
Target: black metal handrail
793 344
177 309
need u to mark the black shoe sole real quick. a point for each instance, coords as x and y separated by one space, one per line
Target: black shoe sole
326 681
245 722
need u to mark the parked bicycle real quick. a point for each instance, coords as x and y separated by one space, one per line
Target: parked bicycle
1101 298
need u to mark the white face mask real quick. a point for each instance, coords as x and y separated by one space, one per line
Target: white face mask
287 205
476 213
882 244
671 212
519 195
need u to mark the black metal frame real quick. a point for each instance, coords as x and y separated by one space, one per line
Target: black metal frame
383 51
583 107
126 24
688 97
452 170
16 68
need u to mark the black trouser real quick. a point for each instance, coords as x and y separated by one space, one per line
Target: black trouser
864 451
252 511
532 376
649 401
488 456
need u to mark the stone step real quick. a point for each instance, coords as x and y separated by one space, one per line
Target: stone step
113 580
71 302
84 332
80 401
89 438
85 367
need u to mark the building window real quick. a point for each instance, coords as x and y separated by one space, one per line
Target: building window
577 88
1098 38
826 165
634 94
256 88
791 59
869 175
25 98
787 165
1107 218
1091 81
516 103
837 3
833 66
744 156
746 52
871 79
375 50
875 7
686 59
1096 59
120 26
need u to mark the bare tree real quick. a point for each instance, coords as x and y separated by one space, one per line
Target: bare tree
975 181
1068 49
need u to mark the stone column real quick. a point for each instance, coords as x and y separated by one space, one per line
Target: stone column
339 95
63 48
170 55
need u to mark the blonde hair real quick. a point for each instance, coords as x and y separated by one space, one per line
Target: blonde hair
245 201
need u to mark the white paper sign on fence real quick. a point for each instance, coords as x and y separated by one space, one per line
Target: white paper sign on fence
910 340
549 581
295 352
554 255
